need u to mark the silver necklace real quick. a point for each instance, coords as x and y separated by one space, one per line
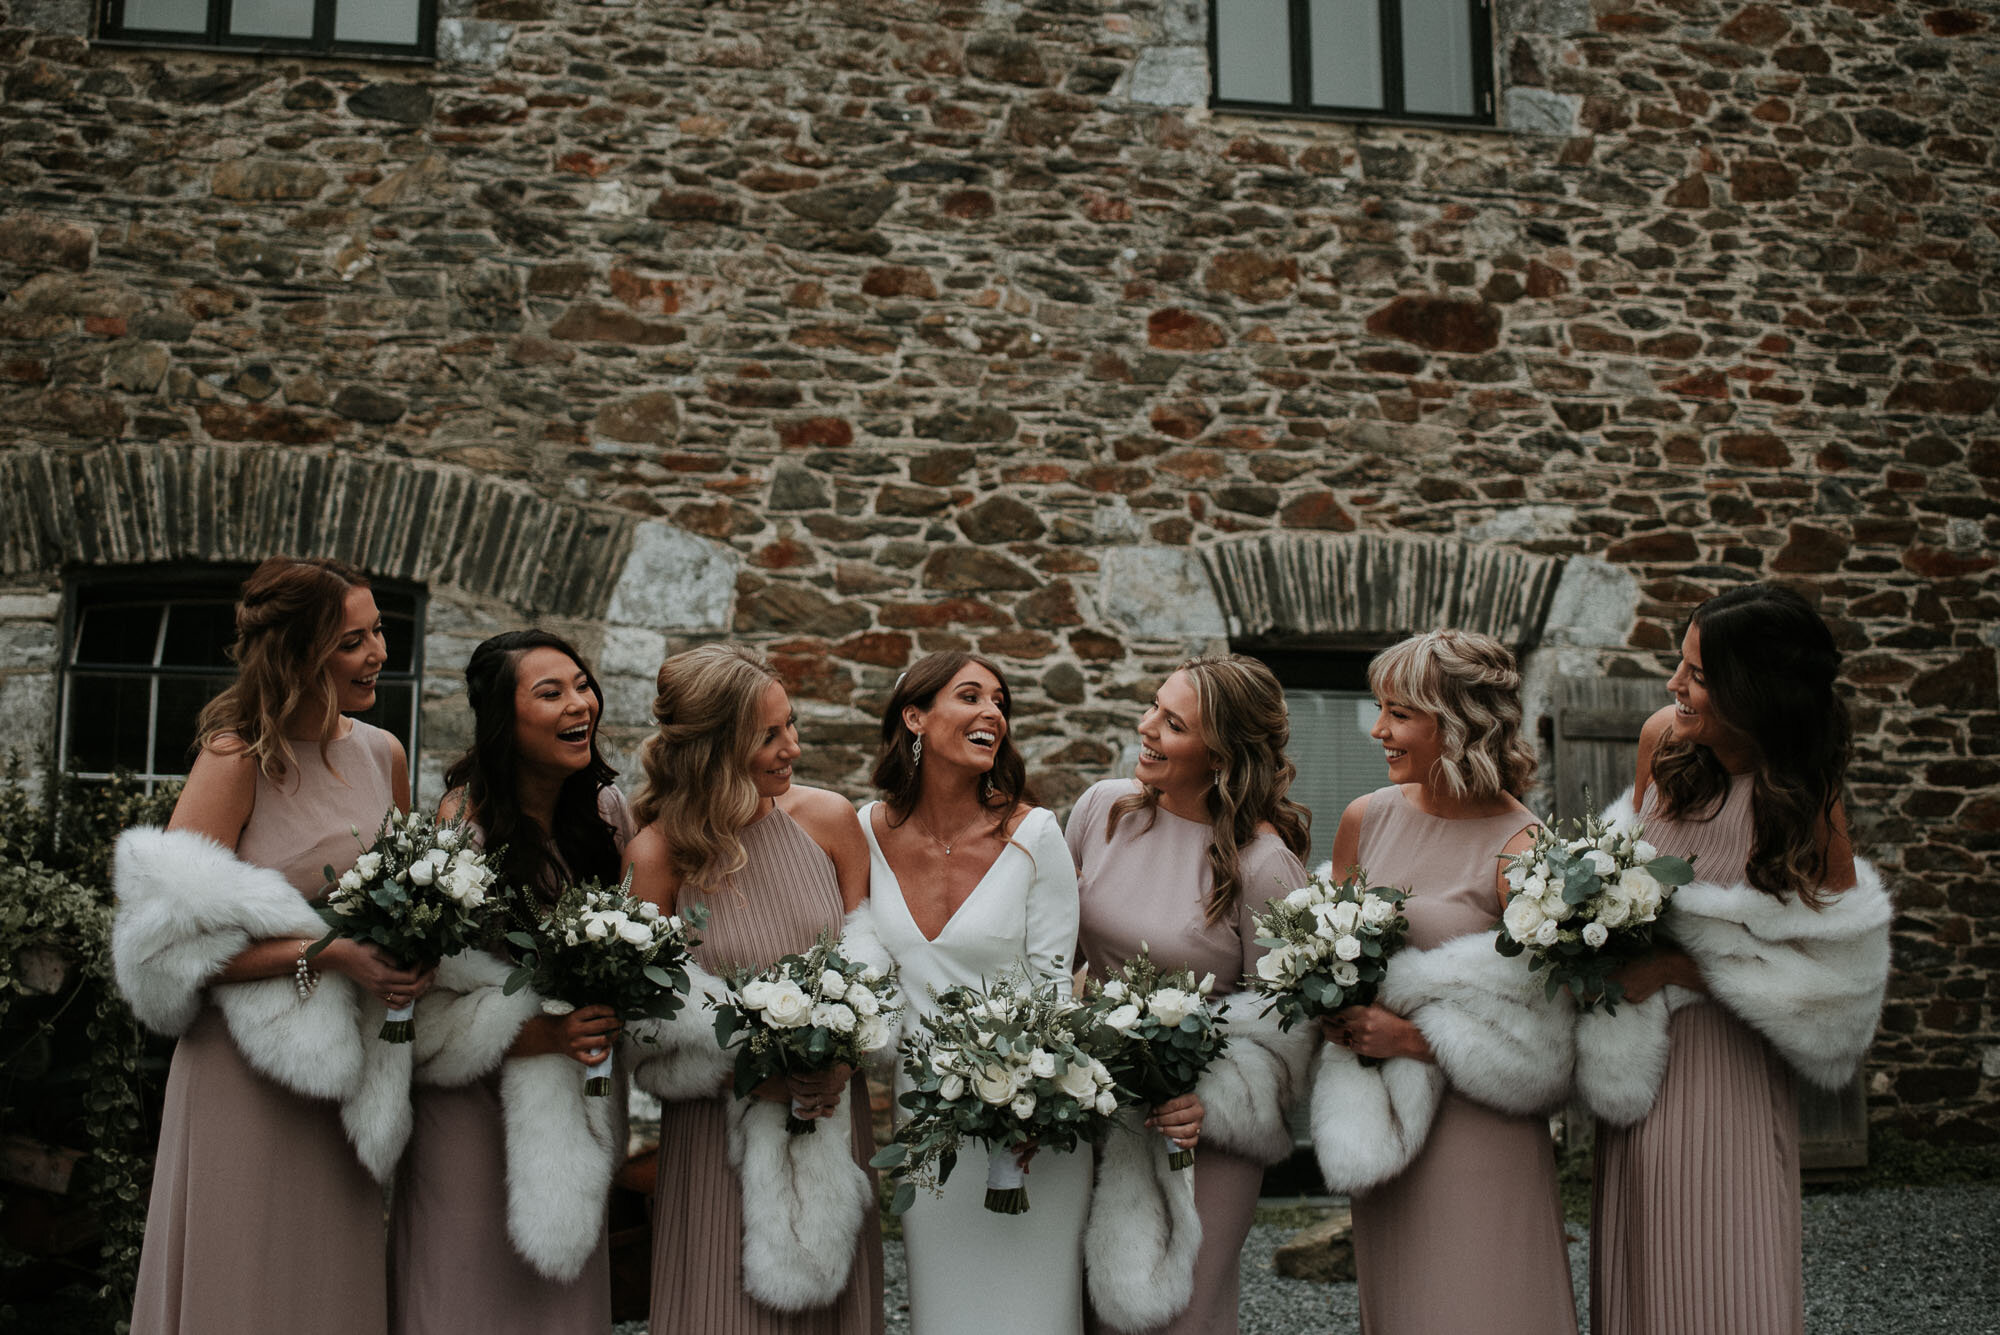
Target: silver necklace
945 844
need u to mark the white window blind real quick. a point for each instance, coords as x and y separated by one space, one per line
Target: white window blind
1336 758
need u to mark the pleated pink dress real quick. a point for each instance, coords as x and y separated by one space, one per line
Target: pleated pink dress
261 1218
1152 886
1469 1237
452 1267
1695 1212
785 896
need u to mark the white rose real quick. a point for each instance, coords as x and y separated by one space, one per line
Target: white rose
447 838
1600 862
1348 947
1377 911
350 881
596 926
1344 918
1345 974
1107 1102
1075 1081
871 1034
863 1001
423 873
872 975
1558 908
1271 966
1171 1005
1020 1076
1614 910
952 1088
756 994
1536 885
1301 896
1595 934
1116 989
1643 888
1123 1018
1523 918
368 865
835 1016
993 1085
788 1007
569 937
1643 852
635 933
1548 933
1101 1074
1576 845
944 1059
651 912
1023 1105
1043 1064
832 985
1206 985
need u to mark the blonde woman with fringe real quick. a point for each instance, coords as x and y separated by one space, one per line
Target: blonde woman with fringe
282 1110
1444 1144
1175 860
751 1235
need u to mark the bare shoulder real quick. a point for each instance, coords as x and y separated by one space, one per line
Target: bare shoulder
808 805
452 805
220 792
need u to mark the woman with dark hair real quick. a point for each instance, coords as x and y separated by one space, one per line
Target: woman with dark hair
1176 860
1444 1143
277 1068
499 1207
969 881
755 1231
1778 961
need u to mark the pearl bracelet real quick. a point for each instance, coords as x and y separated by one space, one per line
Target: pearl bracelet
305 978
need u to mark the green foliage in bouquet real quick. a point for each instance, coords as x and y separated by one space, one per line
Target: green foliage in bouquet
1156 1034
1327 946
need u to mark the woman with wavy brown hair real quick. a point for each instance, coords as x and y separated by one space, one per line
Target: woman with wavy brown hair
277 1068
1176 860
1778 959
751 1238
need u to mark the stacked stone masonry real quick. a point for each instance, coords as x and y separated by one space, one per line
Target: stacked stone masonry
861 330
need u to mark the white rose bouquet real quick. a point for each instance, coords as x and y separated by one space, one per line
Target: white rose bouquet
1157 1034
1010 1066
803 1014
419 892
600 946
1583 905
1328 945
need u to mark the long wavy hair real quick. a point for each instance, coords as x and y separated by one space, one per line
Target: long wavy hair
1471 684
488 773
1770 664
288 623
900 778
697 762
1246 728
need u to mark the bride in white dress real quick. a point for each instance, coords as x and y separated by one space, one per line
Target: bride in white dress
969 882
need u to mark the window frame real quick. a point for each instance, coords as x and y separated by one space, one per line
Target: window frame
1479 21
112 31
157 586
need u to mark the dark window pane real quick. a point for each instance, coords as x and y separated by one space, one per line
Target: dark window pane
107 723
118 634
199 635
181 699
400 633
1252 50
392 710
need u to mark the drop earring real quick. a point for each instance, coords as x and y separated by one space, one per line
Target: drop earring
917 751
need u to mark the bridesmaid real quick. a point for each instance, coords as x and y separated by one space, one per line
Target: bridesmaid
1178 858
1695 1217
969 881
775 864
534 785
262 1218
1469 1235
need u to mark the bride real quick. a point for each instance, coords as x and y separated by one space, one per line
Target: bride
968 881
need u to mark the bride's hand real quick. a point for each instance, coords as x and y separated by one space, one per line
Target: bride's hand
1374 1031
1180 1119
818 1095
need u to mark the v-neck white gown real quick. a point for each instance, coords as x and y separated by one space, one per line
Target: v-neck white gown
972 1271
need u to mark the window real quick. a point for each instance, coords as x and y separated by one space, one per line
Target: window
143 654
362 27
1331 711
1426 60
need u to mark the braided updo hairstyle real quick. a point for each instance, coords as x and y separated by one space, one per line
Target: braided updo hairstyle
288 622
697 762
1471 684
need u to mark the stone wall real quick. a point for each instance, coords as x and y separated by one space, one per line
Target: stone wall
968 324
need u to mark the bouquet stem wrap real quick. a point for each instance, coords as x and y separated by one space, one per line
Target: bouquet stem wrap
597 1083
1006 1181
400 1025
1177 1158
798 1123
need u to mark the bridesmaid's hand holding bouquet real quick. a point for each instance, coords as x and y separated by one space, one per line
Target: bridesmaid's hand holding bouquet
1157 1034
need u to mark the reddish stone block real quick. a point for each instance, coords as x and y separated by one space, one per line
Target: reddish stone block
834 433
1954 22
1176 330
1678 346
1587 337
813 677
890 649
942 612
1017 644
1701 385
1937 563
1317 510
588 322
1095 646
1193 465
1442 324
1183 419
1253 275
698 206
898 280
969 205
645 294
1755 449
1756 25
1810 549
1966 396
1659 547
1760 180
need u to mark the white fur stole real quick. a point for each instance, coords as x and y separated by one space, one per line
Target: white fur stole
562 1147
186 907
1142 1236
862 943
804 1201
679 1058
1247 1093
1810 981
1496 1038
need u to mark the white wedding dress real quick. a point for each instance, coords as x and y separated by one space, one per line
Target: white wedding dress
974 1272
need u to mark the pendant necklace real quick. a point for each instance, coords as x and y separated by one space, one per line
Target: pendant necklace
945 844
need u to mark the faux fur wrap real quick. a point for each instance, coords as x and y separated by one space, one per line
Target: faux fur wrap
1497 1039
804 1200
562 1147
679 1058
1810 981
1247 1093
862 943
1140 1241
186 907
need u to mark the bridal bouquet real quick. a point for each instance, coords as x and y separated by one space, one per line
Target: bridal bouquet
802 1014
1009 1066
1328 946
1584 906
417 892
599 946
1157 1034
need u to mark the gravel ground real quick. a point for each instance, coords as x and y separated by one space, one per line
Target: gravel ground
1903 1261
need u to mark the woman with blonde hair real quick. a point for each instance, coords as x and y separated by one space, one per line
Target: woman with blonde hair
277 1067
1176 860
1445 1144
754 1232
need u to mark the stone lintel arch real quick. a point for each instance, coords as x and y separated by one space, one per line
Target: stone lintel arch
407 519
1366 588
